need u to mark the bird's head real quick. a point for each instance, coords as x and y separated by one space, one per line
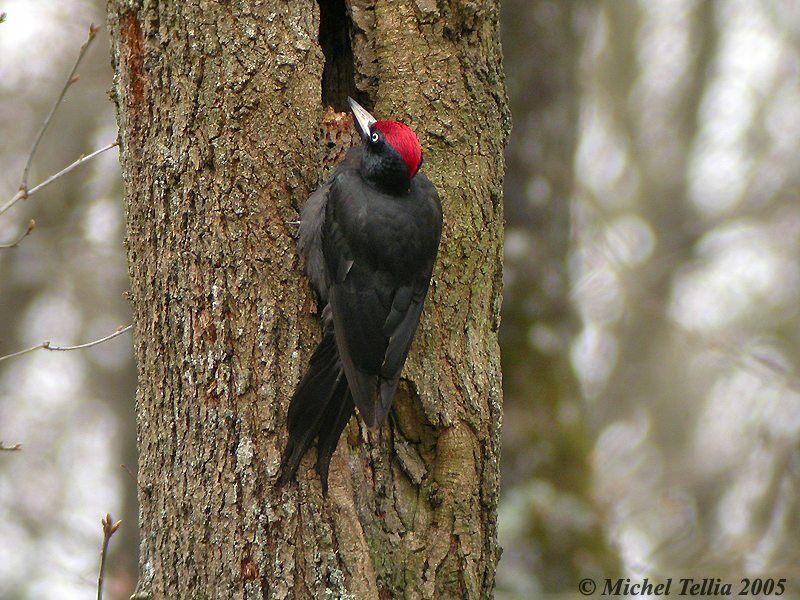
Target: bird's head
392 155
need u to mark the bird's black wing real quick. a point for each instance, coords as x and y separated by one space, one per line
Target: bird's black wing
400 327
356 308
312 220
403 319
375 311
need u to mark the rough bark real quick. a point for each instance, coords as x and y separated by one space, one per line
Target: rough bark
219 106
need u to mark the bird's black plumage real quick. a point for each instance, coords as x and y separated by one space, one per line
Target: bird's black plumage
369 236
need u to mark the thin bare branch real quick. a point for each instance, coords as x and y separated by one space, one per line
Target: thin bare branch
109 529
119 331
21 352
48 346
2 17
70 167
73 77
31 227
20 195
135 480
14 448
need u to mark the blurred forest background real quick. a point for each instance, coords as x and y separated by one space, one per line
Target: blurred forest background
650 330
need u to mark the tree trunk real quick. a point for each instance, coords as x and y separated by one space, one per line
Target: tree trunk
219 108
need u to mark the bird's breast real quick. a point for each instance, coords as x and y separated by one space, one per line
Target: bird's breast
395 233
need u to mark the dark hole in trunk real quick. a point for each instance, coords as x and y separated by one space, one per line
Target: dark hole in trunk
338 75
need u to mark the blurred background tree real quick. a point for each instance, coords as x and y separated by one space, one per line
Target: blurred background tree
552 529
650 320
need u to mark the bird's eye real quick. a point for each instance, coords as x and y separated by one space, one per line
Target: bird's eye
375 138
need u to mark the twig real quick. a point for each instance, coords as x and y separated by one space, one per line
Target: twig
129 472
22 194
31 227
23 186
109 529
2 17
135 480
14 448
47 345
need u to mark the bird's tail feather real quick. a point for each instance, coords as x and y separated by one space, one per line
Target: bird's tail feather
320 408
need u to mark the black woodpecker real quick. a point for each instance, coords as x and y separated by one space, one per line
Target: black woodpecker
369 236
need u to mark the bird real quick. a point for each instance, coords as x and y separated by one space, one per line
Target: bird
369 236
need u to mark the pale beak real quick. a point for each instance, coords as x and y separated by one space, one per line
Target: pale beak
363 120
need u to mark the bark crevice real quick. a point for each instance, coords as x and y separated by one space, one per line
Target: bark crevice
338 73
